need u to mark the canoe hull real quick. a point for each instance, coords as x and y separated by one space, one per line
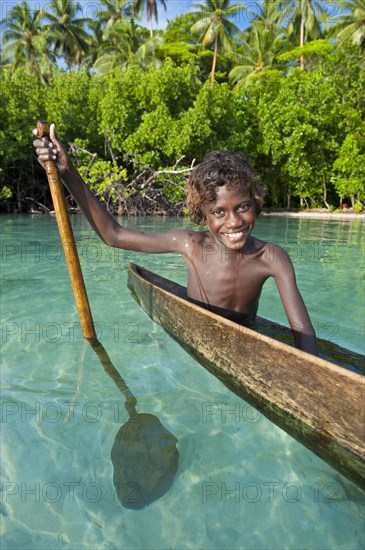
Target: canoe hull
318 403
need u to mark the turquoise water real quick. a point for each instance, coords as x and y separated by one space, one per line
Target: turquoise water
242 483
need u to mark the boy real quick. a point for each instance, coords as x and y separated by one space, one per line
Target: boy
227 266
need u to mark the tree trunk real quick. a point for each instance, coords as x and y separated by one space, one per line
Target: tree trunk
325 192
288 199
214 60
19 194
302 41
35 68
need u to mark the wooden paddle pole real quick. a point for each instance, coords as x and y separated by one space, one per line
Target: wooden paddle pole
68 241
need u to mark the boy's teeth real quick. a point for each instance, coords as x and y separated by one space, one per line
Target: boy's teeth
233 235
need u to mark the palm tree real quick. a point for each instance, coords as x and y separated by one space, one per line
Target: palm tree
257 53
67 32
179 30
214 26
96 35
113 36
5 61
119 43
151 10
145 55
258 45
24 40
351 25
270 13
305 18
114 11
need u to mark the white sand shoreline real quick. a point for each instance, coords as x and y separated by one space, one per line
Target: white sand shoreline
316 215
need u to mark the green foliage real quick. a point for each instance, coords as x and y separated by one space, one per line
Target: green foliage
179 52
179 29
120 112
5 193
311 49
148 143
66 31
141 110
21 105
303 130
300 129
257 53
215 28
349 168
346 69
107 180
71 102
217 120
174 188
350 23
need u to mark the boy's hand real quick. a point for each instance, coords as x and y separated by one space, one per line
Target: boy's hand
52 150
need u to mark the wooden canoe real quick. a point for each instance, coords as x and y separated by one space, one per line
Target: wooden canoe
319 403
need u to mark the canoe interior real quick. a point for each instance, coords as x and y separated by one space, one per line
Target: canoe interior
328 350
317 402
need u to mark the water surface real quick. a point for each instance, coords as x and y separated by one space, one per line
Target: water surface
241 481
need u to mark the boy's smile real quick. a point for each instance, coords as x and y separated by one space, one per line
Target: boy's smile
231 218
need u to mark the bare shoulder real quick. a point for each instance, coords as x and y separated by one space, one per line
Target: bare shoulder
195 240
189 237
262 250
275 258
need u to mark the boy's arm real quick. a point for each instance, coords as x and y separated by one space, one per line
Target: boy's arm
99 218
296 312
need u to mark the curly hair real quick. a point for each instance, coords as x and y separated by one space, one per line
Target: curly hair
218 169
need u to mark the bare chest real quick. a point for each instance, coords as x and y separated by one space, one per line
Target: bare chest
234 284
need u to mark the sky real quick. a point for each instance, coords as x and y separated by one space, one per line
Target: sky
174 8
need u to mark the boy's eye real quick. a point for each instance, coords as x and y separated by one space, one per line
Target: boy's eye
218 212
244 207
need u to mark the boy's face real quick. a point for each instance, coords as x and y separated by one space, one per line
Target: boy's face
231 217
